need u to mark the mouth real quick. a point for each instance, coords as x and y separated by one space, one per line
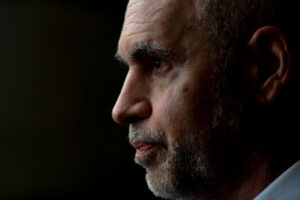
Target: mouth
142 149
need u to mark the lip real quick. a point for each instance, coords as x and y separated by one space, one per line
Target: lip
142 149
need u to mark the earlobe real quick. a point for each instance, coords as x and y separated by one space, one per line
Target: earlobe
269 66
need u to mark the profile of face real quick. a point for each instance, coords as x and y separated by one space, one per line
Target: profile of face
168 101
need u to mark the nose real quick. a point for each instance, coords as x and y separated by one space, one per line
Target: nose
133 104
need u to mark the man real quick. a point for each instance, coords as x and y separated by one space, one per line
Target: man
208 97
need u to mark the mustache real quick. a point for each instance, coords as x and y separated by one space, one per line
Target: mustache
146 135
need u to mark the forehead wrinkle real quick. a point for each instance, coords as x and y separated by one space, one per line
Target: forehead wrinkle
161 12
148 7
148 11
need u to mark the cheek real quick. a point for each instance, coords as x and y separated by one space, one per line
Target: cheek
183 111
169 101
173 111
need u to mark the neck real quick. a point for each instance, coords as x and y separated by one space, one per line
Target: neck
257 178
260 174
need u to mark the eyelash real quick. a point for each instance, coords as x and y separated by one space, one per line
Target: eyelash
160 66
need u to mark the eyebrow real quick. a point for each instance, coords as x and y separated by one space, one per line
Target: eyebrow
143 49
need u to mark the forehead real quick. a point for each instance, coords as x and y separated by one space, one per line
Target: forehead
160 21
139 11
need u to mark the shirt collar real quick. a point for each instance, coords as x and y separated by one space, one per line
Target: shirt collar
285 187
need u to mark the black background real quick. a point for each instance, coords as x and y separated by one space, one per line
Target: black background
58 84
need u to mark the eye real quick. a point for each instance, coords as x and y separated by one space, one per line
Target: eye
160 66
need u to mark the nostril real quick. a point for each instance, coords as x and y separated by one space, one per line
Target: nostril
132 120
128 111
123 117
132 114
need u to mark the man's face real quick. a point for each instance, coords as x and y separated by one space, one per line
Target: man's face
167 97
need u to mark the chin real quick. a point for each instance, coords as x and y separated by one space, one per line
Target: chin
163 178
161 183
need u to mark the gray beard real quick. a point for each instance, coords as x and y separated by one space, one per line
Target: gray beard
198 166
170 172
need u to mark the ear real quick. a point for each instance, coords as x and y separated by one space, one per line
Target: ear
269 66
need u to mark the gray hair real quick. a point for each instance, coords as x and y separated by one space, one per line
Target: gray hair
226 25
224 21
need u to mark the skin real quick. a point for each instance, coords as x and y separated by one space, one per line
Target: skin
158 96
152 94
168 102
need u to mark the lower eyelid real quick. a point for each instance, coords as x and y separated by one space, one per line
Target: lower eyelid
164 69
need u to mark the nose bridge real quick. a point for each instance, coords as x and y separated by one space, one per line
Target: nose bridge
132 103
127 95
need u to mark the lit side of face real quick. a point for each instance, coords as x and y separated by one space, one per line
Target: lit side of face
166 97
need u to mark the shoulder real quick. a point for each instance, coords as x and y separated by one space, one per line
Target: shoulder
285 187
